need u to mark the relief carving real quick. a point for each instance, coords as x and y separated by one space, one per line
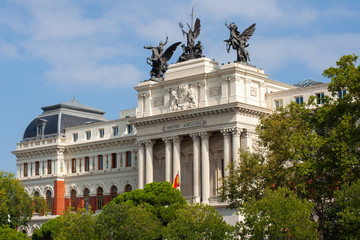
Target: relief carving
184 97
159 101
215 91
253 92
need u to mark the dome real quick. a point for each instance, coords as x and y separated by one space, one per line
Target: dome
55 118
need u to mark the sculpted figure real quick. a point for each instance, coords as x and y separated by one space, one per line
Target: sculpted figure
189 51
159 59
239 41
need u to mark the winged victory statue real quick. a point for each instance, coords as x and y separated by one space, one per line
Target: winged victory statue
239 41
191 50
159 58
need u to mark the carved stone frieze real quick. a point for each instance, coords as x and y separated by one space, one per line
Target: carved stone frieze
159 101
215 91
182 98
253 91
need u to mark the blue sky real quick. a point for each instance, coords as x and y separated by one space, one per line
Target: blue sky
53 50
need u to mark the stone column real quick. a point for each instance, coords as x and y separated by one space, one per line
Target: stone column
245 140
77 165
149 161
168 145
227 150
205 170
33 169
133 159
141 164
176 157
235 145
196 166
118 157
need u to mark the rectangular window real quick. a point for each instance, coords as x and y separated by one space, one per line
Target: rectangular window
25 169
87 164
100 162
88 135
299 100
342 93
75 137
113 160
320 98
39 131
49 166
278 103
115 131
73 165
100 202
101 133
128 159
37 168
129 128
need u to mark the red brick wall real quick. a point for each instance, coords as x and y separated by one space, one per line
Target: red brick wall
59 197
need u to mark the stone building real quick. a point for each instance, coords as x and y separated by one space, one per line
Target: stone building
192 123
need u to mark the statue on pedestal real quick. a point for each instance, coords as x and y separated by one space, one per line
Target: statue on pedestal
239 41
191 51
159 59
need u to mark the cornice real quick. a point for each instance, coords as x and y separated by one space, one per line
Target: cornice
39 152
239 108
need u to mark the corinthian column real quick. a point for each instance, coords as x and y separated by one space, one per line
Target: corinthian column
168 145
141 166
236 144
196 166
205 170
149 161
227 149
176 156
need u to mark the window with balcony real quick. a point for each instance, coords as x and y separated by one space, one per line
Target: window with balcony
48 166
37 168
128 159
25 169
100 198
88 135
86 198
75 137
73 200
299 100
100 162
101 133
320 98
73 165
87 164
115 130
48 199
113 160
278 103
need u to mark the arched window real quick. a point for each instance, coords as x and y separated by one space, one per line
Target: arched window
73 200
86 198
113 192
127 188
48 199
36 194
100 198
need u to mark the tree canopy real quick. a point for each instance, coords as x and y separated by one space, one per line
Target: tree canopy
310 148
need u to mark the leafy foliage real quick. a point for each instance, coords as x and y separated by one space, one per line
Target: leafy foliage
123 221
161 199
47 230
7 233
198 222
310 148
280 214
15 204
348 203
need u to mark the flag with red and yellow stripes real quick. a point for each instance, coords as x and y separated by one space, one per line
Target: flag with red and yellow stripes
176 183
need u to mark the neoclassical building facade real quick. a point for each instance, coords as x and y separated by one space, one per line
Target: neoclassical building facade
193 124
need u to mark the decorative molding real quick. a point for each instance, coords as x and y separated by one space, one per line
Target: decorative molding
215 91
253 91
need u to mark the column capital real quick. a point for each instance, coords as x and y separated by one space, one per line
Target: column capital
235 131
225 131
204 135
176 138
245 133
149 142
167 139
195 136
140 143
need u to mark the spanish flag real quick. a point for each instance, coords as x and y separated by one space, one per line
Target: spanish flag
176 183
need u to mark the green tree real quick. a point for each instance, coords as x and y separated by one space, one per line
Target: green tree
47 230
7 233
280 214
311 148
197 222
15 204
124 221
348 201
160 198
75 226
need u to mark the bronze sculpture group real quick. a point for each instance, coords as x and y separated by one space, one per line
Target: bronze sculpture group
159 58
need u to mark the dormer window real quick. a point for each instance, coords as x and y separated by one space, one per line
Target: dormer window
40 127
